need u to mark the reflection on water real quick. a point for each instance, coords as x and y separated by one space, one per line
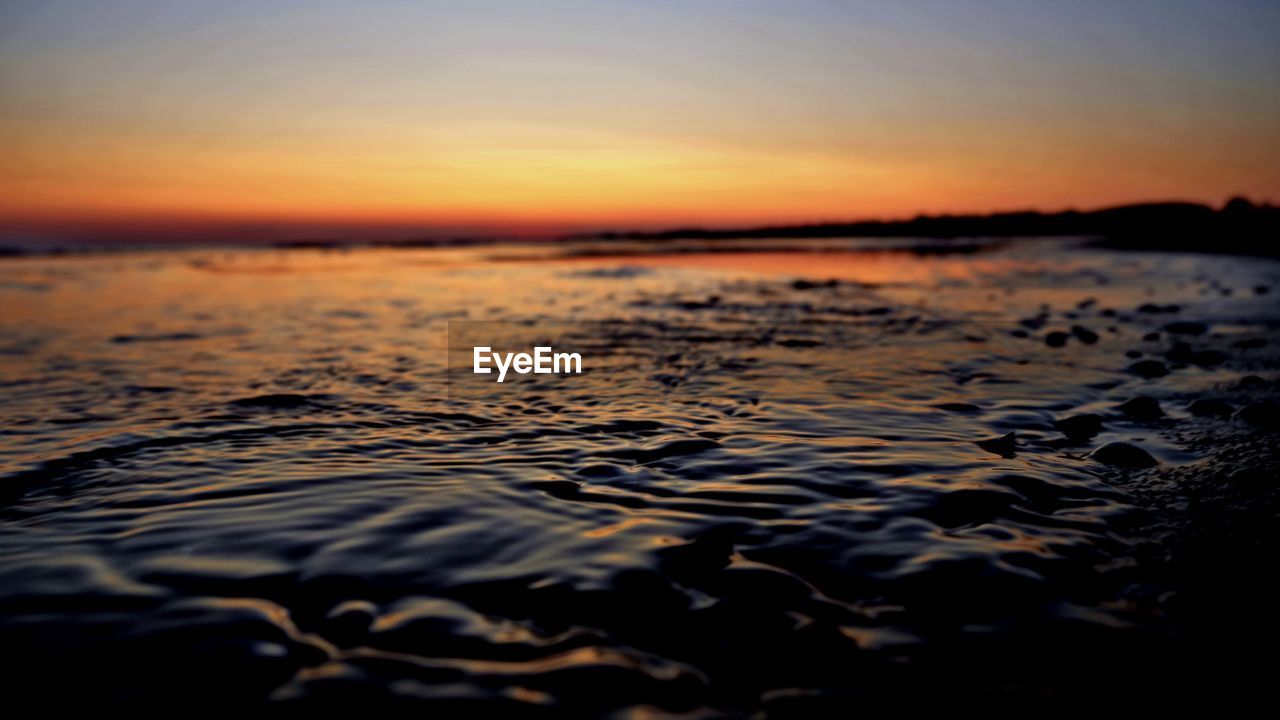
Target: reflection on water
239 476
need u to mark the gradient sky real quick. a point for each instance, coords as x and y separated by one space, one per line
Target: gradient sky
334 116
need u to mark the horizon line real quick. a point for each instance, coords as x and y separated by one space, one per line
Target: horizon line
231 231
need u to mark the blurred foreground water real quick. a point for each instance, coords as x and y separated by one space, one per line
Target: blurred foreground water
792 481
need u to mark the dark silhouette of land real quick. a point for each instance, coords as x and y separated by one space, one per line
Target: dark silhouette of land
1240 226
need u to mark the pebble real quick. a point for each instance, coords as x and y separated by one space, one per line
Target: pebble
1149 369
1141 408
1264 413
1180 353
1034 323
1251 382
1211 407
1080 427
1208 358
1084 334
1186 327
1123 454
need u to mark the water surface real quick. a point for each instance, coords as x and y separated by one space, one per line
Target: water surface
240 476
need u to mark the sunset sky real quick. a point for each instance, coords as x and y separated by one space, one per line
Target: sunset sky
319 116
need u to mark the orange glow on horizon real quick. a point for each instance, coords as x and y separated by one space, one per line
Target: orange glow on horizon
548 182
423 118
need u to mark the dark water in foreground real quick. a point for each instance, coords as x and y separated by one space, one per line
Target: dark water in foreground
229 478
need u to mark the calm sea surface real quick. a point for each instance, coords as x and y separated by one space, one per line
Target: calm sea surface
238 477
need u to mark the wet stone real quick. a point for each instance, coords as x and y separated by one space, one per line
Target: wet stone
1180 353
1084 334
1149 369
1123 454
1211 407
1264 413
1208 358
1080 427
1141 408
1186 327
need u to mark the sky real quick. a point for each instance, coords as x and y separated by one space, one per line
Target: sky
321 117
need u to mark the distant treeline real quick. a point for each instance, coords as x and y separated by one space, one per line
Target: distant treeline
1239 226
